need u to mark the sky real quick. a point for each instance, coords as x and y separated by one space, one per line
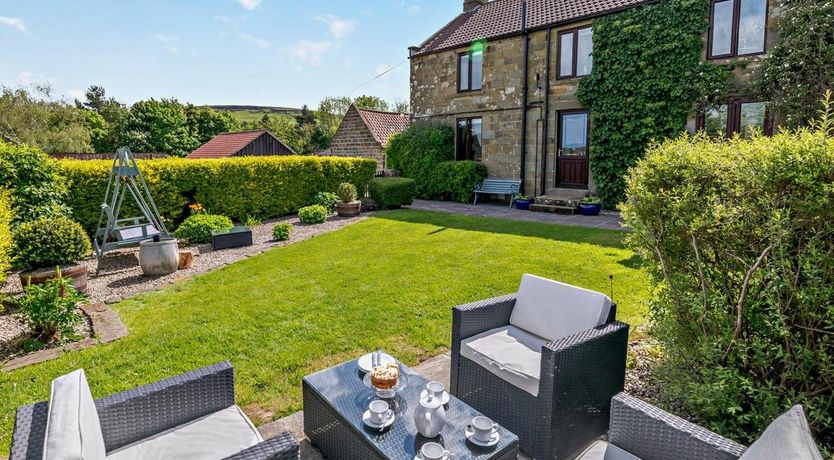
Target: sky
248 52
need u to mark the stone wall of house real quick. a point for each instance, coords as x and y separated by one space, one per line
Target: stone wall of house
353 139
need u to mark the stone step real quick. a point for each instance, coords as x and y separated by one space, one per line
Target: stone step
568 193
553 200
553 209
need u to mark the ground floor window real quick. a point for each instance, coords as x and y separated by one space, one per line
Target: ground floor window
741 116
468 142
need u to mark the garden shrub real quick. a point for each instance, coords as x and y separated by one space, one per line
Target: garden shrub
197 229
50 309
737 237
455 180
266 187
326 199
6 217
281 232
313 214
392 192
33 178
346 192
49 243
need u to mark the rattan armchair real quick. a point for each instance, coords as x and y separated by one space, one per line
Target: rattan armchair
579 376
143 412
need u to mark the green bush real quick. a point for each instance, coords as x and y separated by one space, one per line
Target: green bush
347 192
6 217
49 243
281 232
50 309
737 238
266 187
392 192
455 180
33 178
326 199
197 228
314 214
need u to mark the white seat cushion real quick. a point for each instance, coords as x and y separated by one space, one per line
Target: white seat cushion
215 436
73 429
601 450
510 353
555 310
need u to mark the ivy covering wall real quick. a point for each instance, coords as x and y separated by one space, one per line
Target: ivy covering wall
647 77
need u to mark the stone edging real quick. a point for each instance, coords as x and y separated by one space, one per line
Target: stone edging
107 327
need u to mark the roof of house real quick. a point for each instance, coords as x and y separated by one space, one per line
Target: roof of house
503 18
383 125
227 144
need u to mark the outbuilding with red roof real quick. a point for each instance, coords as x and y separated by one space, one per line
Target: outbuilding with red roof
248 143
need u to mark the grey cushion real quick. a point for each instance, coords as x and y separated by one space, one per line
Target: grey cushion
73 429
510 353
554 310
786 437
215 436
601 450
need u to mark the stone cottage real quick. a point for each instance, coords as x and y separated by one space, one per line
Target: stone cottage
365 133
471 75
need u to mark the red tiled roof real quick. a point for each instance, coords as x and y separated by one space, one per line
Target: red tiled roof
384 124
503 17
226 144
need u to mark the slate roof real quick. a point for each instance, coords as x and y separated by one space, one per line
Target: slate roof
383 125
501 18
226 144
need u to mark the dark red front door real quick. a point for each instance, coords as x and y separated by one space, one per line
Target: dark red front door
572 149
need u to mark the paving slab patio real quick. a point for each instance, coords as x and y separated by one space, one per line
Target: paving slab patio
607 219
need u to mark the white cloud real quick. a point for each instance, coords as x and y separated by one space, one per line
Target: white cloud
413 9
255 41
311 52
339 28
17 23
168 42
249 4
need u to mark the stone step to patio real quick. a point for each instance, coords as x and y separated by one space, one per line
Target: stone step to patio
555 200
553 209
567 193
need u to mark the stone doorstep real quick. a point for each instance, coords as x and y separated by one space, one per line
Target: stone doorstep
553 209
106 325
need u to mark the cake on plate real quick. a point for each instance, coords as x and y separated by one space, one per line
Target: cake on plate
385 377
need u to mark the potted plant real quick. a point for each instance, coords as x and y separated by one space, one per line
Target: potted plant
522 202
348 205
46 249
590 206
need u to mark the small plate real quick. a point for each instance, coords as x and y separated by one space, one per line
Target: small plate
419 456
365 361
390 392
443 399
366 418
493 440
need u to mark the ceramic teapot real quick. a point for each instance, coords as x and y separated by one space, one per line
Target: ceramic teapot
429 416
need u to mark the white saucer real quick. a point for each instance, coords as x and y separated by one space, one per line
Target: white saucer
443 399
366 418
365 361
470 435
419 456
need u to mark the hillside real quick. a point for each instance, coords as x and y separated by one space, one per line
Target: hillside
254 112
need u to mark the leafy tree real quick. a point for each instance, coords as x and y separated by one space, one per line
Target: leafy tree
204 122
41 121
401 106
107 138
159 126
99 131
330 113
800 67
372 102
312 137
282 126
34 182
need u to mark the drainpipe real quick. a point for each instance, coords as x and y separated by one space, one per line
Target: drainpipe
524 90
545 123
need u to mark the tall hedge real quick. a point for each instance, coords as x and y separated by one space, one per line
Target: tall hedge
34 181
5 234
738 237
265 187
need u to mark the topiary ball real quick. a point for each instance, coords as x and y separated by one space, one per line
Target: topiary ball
197 229
49 243
314 214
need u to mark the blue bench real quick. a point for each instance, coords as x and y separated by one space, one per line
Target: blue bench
498 187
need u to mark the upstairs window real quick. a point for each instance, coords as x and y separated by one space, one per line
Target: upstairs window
741 116
470 71
737 28
575 48
469 139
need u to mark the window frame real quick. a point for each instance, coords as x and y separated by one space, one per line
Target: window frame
469 89
734 116
734 32
574 52
464 153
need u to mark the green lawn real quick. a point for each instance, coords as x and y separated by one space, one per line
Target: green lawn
389 281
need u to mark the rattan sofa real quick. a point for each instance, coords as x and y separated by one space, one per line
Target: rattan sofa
148 412
579 375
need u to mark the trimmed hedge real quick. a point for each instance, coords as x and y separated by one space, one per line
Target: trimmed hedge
267 187
49 242
455 180
392 192
5 235
34 182
313 214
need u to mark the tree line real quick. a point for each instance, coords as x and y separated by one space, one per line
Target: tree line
101 124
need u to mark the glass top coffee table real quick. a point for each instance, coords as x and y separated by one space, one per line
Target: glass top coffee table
335 398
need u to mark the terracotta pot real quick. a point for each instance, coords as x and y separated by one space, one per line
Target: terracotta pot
77 272
159 258
348 209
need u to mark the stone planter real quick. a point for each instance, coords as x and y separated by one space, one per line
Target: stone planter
77 272
157 258
351 209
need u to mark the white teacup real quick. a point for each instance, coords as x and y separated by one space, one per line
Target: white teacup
483 428
435 389
380 412
433 451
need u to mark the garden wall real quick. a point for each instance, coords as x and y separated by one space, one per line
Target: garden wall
263 187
